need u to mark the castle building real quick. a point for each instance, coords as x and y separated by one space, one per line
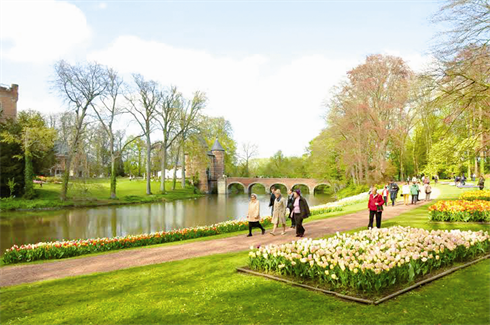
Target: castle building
8 102
205 172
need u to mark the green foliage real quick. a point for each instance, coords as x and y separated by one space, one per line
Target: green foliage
279 166
11 184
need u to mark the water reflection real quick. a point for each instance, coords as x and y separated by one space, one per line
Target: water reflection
33 227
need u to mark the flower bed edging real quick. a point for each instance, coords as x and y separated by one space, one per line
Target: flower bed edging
247 270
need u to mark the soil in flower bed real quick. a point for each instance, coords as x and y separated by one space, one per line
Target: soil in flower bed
363 296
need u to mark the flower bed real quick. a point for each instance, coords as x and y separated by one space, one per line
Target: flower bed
70 248
460 210
338 205
370 260
475 195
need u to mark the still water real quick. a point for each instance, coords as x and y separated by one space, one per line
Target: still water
33 227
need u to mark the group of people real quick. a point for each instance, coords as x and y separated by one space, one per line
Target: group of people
294 207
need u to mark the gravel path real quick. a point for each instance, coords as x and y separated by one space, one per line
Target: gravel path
13 275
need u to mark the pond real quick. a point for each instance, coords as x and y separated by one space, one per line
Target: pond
29 227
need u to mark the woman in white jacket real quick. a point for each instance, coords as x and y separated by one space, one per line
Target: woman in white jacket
406 193
253 215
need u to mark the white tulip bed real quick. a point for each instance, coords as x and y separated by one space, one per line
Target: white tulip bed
370 260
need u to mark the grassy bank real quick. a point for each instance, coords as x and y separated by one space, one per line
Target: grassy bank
208 290
96 192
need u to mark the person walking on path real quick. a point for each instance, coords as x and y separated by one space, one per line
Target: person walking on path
428 190
301 210
253 215
272 198
290 207
279 213
393 192
481 183
414 190
406 193
385 195
375 206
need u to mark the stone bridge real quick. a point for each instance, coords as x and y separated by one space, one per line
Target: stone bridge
248 182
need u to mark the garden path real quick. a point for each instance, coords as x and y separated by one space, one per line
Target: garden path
27 273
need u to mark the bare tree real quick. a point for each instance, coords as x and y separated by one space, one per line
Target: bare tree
188 117
249 150
79 86
168 119
143 105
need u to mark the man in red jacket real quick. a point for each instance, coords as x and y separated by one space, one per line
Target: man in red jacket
375 206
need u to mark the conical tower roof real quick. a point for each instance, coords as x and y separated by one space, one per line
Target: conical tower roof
217 146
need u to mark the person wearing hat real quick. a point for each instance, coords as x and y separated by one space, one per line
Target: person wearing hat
279 212
301 210
253 215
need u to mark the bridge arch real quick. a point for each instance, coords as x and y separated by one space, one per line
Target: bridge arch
302 185
236 183
282 185
249 187
320 184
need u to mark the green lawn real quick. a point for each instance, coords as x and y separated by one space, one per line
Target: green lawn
208 290
94 192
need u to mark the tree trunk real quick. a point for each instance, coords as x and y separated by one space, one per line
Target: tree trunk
183 164
66 178
148 165
174 181
113 169
163 166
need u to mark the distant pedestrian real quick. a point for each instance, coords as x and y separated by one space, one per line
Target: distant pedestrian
436 178
473 177
272 198
290 207
375 205
385 195
301 210
463 180
406 193
393 192
279 213
414 191
428 190
253 215
481 182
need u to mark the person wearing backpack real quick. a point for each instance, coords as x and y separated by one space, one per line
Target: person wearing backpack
428 190
414 191
393 192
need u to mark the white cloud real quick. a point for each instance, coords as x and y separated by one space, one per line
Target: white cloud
278 110
416 61
102 5
41 31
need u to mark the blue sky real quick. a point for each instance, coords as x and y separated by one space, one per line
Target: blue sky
264 64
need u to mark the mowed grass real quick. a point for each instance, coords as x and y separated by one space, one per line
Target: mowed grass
208 290
95 192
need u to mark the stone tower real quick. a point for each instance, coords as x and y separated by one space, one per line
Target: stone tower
8 102
218 163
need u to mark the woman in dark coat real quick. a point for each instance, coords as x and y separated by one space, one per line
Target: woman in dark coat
301 210
375 206
290 207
